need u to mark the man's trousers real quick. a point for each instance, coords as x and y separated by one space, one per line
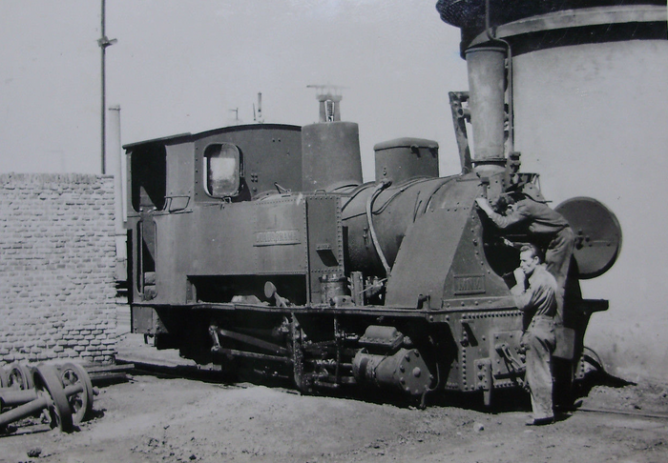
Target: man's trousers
539 341
557 262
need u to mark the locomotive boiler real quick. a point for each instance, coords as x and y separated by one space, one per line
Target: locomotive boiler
258 248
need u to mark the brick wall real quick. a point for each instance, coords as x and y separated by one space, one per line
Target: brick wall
57 255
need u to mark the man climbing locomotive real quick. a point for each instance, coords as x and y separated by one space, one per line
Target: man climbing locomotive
543 225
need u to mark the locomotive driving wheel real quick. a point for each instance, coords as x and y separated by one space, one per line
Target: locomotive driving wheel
81 403
298 357
48 385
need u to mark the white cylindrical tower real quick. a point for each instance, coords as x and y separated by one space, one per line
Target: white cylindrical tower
589 112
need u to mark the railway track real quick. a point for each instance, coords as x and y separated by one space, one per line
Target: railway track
193 372
635 414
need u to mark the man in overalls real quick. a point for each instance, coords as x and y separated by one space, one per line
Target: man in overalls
536 295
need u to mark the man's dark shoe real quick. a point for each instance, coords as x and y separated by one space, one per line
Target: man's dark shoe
540 422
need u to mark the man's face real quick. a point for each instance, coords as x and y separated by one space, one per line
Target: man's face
528 262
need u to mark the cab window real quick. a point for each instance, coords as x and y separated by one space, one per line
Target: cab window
222 170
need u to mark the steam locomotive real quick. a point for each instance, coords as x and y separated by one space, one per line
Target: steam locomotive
259 248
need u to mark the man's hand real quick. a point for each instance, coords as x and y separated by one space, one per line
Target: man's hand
508 243
484 205
520 277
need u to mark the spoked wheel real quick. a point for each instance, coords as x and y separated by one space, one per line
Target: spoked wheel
20 377
81 403
58 410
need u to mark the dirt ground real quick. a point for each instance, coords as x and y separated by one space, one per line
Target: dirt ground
157 419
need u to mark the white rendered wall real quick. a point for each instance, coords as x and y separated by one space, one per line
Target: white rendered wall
593 121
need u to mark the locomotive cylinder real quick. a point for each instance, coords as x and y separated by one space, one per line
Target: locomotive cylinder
405 370
330 155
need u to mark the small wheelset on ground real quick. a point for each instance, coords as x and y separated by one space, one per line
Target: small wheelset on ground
63 394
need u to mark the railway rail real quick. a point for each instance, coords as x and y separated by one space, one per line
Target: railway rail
632 413
170 369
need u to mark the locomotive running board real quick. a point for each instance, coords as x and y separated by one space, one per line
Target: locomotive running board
430 313
450 306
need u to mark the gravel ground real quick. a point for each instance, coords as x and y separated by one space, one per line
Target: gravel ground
156 419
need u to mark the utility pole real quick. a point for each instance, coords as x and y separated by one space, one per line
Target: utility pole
116 168
104 42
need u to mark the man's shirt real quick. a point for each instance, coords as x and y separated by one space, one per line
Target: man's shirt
537 217
540 295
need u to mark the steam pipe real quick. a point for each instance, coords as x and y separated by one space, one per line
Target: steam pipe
369 210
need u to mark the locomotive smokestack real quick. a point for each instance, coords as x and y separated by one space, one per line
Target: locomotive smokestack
486 70
329 107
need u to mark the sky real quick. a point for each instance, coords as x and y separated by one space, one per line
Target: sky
184 66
